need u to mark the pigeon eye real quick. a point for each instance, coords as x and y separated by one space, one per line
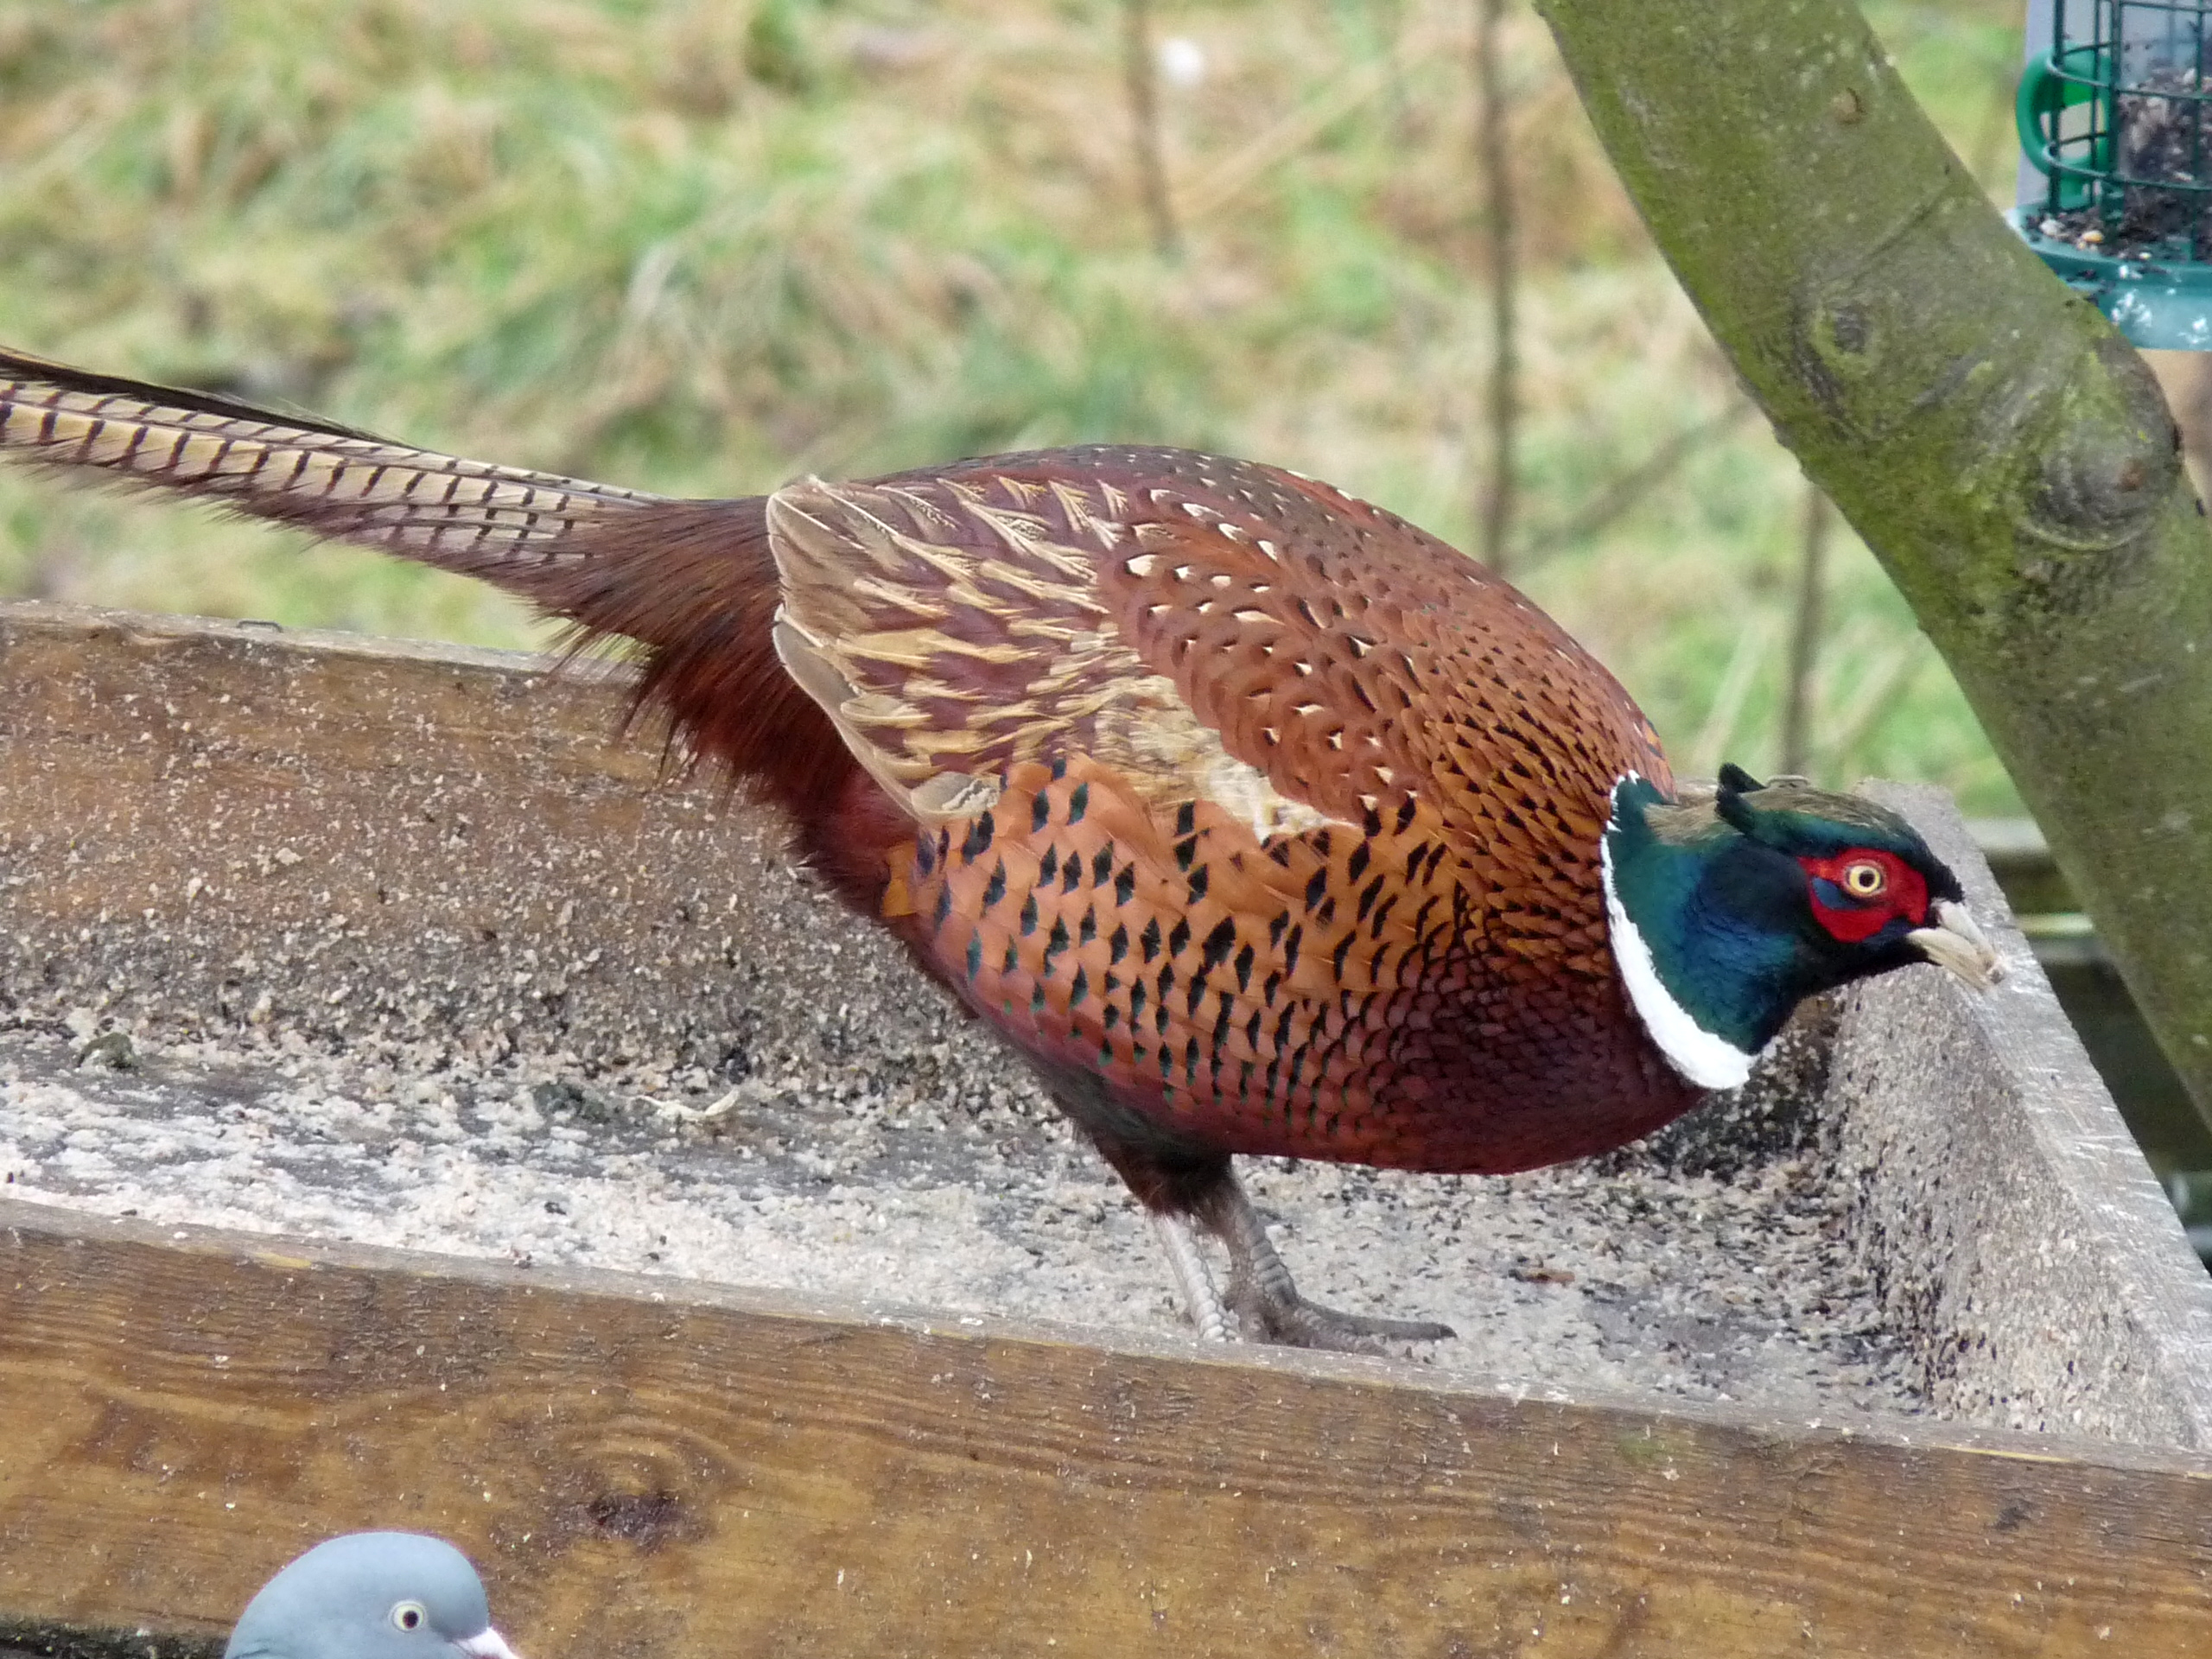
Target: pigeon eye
1865 879
409 1615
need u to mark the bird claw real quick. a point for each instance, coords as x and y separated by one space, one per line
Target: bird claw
1292 1322
1261 1298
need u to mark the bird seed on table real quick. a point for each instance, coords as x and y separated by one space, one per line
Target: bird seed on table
1710 1262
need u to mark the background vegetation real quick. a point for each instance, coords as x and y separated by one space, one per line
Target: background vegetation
699 246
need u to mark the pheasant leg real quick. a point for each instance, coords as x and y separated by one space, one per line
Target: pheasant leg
1266 1302
1200 1300
1187 1189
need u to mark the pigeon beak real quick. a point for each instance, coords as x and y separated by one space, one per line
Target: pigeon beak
1956 944
487 1644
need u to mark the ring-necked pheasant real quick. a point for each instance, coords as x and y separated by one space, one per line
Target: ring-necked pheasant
1257 820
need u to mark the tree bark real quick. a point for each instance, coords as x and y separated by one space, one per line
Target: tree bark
2001 448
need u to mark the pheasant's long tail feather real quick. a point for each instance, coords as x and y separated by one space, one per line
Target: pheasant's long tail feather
692 581
504 525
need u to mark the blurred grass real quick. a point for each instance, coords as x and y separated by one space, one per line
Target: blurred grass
701 245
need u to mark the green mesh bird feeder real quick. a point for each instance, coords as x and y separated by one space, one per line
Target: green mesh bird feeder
2115 117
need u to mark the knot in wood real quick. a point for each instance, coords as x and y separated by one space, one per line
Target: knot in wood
2108 471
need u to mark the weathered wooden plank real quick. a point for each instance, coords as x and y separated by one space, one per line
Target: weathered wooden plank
655 1468
2159 1113
204 824
2022 1242
693 1474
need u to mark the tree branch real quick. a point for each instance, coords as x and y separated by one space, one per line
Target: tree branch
1992 437
1627 490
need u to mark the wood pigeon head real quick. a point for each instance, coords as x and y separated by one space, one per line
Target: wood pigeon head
372 1595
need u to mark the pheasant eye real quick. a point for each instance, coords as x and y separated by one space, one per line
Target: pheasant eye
1864 879
409 1615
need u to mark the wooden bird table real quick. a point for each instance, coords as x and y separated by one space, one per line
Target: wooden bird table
648 1465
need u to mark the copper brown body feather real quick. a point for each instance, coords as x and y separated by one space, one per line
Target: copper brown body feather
1248 798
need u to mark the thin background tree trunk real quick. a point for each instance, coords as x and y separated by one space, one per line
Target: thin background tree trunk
1805 635
2001 448
1502 405
1142 73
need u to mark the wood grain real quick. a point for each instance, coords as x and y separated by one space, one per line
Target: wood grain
675 1469
652 1467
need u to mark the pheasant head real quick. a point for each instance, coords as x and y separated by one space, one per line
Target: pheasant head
1726 913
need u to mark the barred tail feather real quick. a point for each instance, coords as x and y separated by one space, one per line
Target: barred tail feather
693 582
504 525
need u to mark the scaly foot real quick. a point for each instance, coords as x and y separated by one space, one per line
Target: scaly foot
1261 1295
1268 1305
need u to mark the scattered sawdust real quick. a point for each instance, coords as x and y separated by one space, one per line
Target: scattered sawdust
1711 1262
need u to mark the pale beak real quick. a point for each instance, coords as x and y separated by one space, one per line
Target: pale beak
1956 944
488 1645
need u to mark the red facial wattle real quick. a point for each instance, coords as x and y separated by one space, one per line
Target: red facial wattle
1903 892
